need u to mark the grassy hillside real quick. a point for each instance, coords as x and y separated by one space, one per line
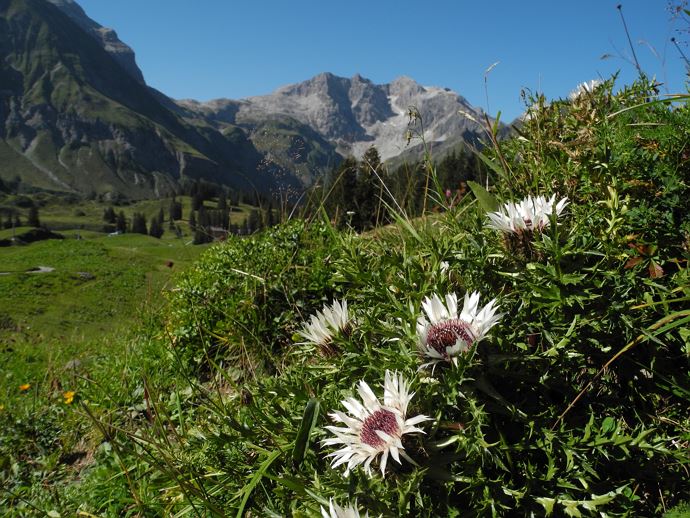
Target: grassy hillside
487 362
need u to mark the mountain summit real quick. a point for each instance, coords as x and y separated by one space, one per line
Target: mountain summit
354 113
106 37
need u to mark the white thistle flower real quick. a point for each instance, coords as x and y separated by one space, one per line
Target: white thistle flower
584 88
322 327
373 428
444 334
335 511
527 215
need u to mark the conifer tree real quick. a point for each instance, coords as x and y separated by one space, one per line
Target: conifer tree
156 228
367 191
175 210
121 223
109 215
197 201
139 223
222 201
33 220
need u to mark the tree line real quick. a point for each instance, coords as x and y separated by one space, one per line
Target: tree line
360 193
206 223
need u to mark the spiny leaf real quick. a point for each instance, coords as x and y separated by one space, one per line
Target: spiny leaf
311 414
486 200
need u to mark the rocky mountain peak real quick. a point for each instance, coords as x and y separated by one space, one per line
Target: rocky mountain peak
106 37
355 113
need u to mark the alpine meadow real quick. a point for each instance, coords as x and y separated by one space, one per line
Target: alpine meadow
342 299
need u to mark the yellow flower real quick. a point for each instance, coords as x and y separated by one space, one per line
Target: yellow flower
69 396
24 387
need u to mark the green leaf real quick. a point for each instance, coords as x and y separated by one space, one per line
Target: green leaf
486 200
256 478
311 414
547 503
608 425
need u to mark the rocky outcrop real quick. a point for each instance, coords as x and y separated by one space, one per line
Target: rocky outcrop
106 37
354 113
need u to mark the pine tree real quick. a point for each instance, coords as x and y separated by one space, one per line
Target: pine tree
270 218
203 217
109 215
340 189
368 190
201 233
197 201
33 220
8 222
222 201
139 223
156 228
253 222
121 223
225 219
175 210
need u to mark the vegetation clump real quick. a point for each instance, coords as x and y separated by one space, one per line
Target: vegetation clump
310 370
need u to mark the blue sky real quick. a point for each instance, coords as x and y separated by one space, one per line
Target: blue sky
239 48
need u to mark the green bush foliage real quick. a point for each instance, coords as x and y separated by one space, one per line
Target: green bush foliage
241 302
574 404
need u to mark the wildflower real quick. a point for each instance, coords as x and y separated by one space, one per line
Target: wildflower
526 216
335 511
24 387
584 88
322 327
69 396
446 335
372 428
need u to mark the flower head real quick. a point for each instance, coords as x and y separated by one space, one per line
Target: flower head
526 216
335 511
373 428
584 88
322 327
69 396
444 334
24 387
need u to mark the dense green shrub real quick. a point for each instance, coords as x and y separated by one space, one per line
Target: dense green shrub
576 402
244 298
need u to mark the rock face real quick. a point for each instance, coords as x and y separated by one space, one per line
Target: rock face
354 113
106 37
72 118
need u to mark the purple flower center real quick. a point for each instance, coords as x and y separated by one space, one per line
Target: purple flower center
382 420
528 223
446 334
